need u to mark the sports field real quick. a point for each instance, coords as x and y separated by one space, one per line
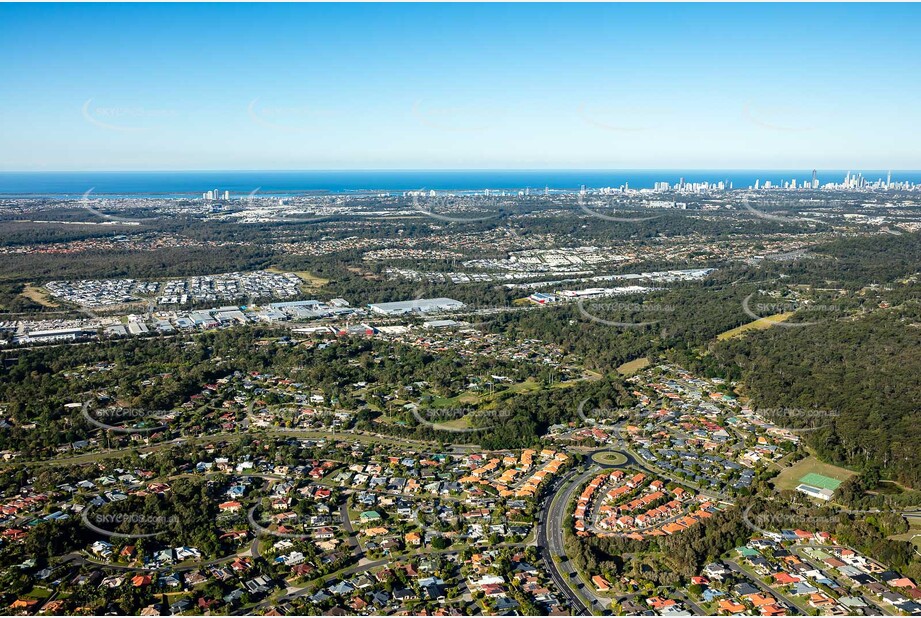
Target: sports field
820 480
813 472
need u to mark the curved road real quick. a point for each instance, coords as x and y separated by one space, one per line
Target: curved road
550 536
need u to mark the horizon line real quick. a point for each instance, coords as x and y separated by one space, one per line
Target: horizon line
462 169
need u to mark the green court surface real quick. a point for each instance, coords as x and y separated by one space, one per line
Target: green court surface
820 480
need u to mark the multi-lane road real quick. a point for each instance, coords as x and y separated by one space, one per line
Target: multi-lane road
550 541
550 534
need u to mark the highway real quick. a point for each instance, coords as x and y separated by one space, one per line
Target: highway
550 533
550 537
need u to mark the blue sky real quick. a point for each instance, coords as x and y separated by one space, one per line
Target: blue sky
352 86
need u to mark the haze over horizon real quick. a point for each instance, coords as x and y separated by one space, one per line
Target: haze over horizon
465 87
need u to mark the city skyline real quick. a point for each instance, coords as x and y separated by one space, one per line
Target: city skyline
239 184
497 87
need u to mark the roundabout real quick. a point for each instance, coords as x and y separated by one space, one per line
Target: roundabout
609 459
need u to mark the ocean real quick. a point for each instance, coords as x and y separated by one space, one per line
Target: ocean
193 184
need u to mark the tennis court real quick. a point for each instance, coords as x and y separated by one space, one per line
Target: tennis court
820 480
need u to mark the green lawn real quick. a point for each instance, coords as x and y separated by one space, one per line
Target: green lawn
39 593
810 468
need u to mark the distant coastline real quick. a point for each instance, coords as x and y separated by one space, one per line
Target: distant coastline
241 183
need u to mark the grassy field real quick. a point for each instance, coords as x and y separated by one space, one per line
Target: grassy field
761 324
38 295
633 366
457 400
39 593
311 281
528 386
913 535
456 423
794 475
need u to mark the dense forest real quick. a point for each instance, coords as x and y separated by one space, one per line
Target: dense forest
849 377
852 382
852 262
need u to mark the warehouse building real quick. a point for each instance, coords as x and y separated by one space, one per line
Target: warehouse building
420 305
